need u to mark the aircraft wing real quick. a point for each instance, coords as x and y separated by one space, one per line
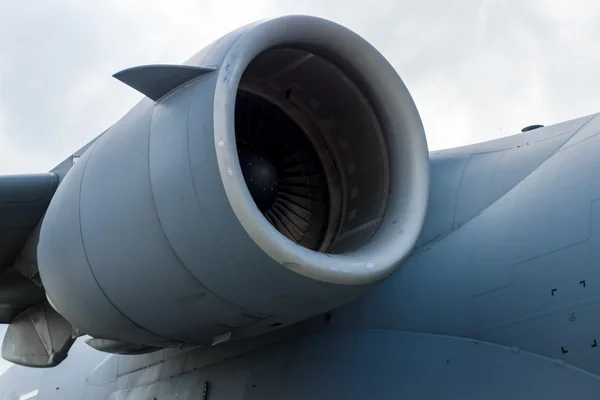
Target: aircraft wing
23 201
24 198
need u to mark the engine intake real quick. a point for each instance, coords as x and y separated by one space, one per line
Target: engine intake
320 135
284 179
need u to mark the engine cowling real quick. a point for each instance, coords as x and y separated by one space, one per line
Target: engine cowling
286 182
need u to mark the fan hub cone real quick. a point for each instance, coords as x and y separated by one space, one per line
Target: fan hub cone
261 178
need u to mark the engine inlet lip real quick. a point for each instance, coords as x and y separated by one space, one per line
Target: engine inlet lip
332 174
405 212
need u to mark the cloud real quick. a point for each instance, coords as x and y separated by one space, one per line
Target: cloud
57 60
477 70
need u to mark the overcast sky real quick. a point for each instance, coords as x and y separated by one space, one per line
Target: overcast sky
477 69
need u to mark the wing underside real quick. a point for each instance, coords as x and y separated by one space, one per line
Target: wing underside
23 201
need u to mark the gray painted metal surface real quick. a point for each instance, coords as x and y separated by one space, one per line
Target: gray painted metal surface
375 364
502 306
156 81
498 297
38 337
140 228
23 201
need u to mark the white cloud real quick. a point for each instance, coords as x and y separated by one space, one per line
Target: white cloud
477 70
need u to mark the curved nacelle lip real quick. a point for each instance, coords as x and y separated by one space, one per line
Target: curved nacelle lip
403 132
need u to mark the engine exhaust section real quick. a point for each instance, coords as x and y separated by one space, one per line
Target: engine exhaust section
278 174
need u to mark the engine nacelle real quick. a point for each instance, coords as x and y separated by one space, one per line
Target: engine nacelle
285 180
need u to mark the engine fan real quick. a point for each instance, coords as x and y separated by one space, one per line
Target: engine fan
282 170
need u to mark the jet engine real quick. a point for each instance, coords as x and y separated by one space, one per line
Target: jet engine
279 173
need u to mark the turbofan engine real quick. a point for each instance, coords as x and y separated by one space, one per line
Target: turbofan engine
279 173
